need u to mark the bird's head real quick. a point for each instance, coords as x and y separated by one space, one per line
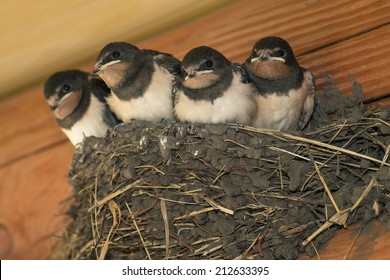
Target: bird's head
271 58
64 90
116 60
203 67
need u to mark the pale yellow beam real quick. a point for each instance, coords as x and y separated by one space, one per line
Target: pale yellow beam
43 36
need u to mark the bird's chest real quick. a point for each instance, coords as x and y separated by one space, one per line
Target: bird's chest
235 105
280 112
90 124
153 105
194 110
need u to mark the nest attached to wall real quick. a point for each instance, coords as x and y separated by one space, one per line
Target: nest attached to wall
183 191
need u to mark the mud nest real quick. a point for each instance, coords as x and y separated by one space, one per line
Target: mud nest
182 191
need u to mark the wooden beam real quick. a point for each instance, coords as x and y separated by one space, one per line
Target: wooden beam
42 36
307 25
27 125
365 57
32 194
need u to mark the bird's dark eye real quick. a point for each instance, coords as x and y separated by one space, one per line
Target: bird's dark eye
116 55
66 88
209 64
280 53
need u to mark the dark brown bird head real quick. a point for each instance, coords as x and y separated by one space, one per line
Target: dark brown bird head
117 61
203 67
272 58
64 91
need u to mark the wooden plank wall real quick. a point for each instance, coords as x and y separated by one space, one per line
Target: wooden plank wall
64 33
334 39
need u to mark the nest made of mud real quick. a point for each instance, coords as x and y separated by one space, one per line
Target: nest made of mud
182 191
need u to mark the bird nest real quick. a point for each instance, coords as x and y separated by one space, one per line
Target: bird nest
183 191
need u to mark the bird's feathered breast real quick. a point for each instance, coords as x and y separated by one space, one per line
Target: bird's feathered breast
212 92
279 86
135 81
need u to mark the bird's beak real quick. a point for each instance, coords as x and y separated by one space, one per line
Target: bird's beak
93 76
96 70
266 56
100 66
261 57
190 75
194 73
66 105
55 104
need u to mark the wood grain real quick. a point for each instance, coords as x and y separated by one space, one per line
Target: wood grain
42 36
358 242
327 37
31 196
365 57
308 25
27 125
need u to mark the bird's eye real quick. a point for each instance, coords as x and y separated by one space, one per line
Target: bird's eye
116 55
280 53
209 64
66 88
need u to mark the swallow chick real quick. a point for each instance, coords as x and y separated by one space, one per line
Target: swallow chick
78 104
213 90
285 91
141 81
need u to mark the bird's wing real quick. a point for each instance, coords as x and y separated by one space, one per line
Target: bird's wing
176 86
110 118
98 86
166 60
242 71
308 105
102 91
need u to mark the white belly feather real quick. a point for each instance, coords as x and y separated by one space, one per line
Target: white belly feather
236 105
91 124
154 105
282 112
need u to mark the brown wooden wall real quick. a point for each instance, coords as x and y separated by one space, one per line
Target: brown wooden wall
42 36
334 39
